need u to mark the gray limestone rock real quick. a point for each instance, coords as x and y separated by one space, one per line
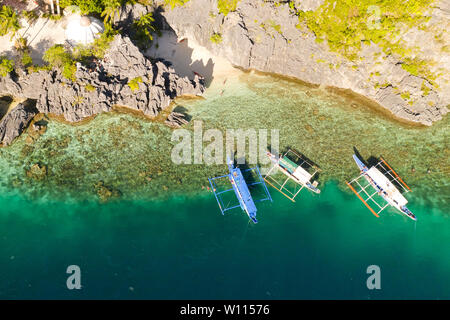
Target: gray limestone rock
99 87
266 37
13 124
176 119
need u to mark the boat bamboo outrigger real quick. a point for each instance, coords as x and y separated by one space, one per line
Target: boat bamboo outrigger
295 172
383 180
241 190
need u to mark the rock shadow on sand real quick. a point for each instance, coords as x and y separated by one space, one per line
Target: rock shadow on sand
169 47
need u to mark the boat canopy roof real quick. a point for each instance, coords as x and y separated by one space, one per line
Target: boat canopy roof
288 164
302 175
387 186
297 171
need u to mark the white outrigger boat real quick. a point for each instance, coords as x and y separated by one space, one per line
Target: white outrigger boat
295 172
383 186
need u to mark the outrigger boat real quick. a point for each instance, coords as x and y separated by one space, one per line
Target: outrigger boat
384 185
295 172
241 190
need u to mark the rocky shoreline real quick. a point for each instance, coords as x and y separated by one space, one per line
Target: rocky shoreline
260 36
266 37
96 90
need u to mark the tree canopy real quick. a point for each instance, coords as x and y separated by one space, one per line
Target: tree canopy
9 22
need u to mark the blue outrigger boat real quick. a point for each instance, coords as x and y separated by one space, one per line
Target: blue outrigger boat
241 190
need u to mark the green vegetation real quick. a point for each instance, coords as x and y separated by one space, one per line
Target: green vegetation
384 85
51 16
405 95
89 6
292 6
216 38
144 28
270 23
112 8
30 16
105 8
101 44
414 66
6 66
347 24
69 70
58 57
411 68
9 22
21 44
26 59
226 6
89 87
77 100
97 49
425 90
175 3
134 83
275 26
36 68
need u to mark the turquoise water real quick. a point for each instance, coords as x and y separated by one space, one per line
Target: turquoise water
319 247
160 235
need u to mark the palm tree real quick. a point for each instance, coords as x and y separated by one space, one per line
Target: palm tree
9 21
21 44
58 10
52 7
112 7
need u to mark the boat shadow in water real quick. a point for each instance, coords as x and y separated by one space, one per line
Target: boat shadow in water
308 164
251 178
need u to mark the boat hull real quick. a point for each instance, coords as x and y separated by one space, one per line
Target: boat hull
242 192
276 162
364 169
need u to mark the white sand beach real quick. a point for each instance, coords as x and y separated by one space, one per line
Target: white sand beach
188 58
40 34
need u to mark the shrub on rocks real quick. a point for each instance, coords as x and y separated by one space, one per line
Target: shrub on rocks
6 66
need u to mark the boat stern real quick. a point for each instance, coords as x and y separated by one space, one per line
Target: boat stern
252 216
313 187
